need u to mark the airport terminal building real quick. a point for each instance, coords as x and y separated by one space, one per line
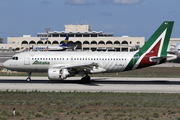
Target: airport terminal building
80 35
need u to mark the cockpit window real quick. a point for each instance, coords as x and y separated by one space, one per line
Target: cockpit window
15 58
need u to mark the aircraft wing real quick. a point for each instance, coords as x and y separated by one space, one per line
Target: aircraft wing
88 66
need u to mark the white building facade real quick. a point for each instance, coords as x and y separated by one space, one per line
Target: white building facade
80 35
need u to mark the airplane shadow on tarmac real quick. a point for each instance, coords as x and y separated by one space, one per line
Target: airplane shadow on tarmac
94 82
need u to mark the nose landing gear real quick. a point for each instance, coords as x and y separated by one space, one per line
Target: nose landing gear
29 77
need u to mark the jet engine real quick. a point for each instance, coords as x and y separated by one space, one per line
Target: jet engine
57 74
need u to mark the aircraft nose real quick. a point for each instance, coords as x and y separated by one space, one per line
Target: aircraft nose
5 64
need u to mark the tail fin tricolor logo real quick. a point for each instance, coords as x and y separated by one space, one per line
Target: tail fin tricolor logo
65 43
155 47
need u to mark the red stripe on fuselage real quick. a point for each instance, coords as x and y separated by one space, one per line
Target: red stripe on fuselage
154 52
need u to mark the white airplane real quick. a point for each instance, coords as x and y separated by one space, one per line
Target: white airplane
62 47
61 65
177 50
174 49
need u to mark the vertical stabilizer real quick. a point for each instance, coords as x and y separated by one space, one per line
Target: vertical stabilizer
155 47
65 43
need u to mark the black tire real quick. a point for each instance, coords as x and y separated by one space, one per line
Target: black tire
86 79
83 80
28 79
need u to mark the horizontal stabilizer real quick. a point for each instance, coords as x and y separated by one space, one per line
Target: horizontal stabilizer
169 57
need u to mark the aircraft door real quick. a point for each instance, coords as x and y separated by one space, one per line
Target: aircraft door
135 58
26 59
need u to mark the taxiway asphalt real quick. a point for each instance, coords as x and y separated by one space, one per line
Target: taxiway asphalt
104 84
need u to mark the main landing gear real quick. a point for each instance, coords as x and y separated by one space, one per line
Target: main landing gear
86 79
29 77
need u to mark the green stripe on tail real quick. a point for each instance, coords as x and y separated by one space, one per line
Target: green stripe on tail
165 25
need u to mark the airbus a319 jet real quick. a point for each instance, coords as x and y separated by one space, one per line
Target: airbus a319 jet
62 47
60 65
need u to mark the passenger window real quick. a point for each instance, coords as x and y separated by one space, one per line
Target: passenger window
99 58
40 58
46 59
67 58
63 59
88 58
77 58
94 58
54 58
51 58
57 58
32 58
80 58
74 58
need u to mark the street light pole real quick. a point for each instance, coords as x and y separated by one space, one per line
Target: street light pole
47 30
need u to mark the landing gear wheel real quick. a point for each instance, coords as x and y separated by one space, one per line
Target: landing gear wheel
83 80
28 79
86 79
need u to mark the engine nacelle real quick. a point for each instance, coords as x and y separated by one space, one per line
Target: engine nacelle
57 74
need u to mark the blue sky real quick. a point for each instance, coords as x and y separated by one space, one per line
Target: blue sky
121 17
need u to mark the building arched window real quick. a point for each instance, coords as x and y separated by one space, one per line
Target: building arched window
79 44
48 42
109 42
55 42
116 43
94 42
24 42
86 42
101 42
32 42
39 42
17 48
124 42
62 42
70 43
